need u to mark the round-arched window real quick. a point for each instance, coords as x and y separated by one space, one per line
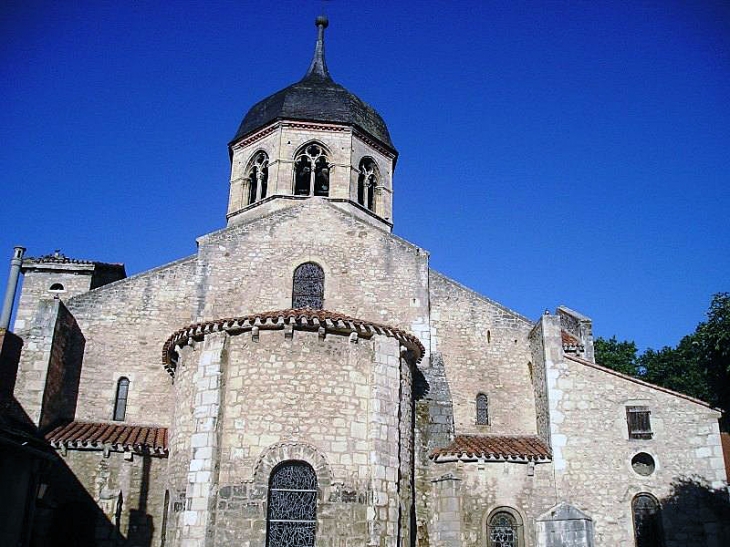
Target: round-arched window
482 403
292 510
504 528
56 287
308 286
647 520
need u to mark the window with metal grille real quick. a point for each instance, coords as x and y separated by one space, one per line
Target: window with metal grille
647 521
503 530
120 401
482 409
292 508
639 423
308 286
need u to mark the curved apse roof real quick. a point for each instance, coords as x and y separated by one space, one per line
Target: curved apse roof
316 97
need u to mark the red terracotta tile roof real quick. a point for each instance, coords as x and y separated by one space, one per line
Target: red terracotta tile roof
306 319
570 342
725 441
521 448
142 439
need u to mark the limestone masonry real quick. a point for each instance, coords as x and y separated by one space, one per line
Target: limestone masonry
307 379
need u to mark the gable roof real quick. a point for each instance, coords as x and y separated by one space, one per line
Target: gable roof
640 382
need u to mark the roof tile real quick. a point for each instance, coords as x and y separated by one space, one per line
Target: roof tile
494 447
120 437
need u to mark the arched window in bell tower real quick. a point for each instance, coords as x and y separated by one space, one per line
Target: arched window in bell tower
367 182
257 175
311 171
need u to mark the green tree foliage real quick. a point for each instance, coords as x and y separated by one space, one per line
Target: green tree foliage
620 356
698 366
679 369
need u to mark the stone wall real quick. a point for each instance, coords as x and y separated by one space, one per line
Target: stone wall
539 382
484 349
130 491
597 473
282 141
10 349
35 288
60 394
125 325
342 405
463 495
369 274
36 357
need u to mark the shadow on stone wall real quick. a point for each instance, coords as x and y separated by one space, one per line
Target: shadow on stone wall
67 516
141 526
696 514
50 507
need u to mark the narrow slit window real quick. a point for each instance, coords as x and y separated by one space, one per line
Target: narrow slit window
482 409
308 287
120 402
639 422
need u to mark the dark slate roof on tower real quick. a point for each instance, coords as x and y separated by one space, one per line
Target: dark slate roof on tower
317 98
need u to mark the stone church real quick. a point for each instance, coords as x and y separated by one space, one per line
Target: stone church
305 378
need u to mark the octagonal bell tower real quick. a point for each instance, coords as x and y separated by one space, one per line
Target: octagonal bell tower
313 139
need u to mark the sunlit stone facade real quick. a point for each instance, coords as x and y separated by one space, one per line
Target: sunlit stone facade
366 402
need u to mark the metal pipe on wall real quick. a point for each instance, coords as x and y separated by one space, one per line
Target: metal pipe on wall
12 287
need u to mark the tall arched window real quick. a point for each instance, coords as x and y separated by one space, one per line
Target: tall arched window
258 177
120 401
308 286
292 508
482 409
647 521
504 528
367 182
311 171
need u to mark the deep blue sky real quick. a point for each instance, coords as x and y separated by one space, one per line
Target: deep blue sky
551 153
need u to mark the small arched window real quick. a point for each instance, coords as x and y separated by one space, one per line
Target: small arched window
367 181
647 520
308 286
120 401
504 529
56 287
258 177
311 171
292 510
482 409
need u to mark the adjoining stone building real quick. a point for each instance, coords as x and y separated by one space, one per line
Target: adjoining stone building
307 379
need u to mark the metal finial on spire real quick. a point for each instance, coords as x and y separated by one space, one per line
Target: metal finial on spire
319 65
